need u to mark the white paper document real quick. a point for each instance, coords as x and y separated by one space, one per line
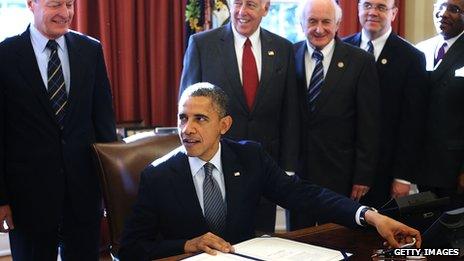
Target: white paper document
276 249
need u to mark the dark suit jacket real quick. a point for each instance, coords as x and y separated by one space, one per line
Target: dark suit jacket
444 158
40 165
167 211
274 120
341 136
403 88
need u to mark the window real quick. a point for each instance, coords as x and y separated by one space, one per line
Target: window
282 19
14 17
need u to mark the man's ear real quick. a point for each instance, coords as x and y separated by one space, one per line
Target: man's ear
225 123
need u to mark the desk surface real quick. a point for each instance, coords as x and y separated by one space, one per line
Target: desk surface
359 242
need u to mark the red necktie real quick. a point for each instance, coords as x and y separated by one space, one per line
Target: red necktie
249 74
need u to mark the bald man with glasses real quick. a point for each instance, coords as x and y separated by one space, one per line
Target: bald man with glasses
443 163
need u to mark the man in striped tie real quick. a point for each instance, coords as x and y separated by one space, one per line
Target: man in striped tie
340 93
55 101
203 195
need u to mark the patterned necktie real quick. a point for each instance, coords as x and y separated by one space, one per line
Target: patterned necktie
440 54
249 74
214 205
370 47
56 87
317 79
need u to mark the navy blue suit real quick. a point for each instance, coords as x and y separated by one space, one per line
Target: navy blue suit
167 211
47 174
274 119
403 95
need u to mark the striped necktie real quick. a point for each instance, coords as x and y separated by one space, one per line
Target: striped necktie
440 54
370 47
56 87
214 206
317 79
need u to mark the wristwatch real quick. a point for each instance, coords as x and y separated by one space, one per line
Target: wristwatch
362 215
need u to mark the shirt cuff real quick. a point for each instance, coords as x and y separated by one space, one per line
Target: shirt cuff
358 214
402 181
290 173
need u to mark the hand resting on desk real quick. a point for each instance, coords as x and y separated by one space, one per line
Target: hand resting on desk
209 243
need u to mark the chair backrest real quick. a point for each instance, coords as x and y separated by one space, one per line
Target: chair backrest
119 166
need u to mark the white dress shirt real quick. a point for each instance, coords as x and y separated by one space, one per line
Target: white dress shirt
239 42
198 172
310 63
378 43
42 55
449 43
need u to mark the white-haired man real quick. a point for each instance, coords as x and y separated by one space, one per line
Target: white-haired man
340 103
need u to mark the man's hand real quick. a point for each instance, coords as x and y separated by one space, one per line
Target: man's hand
208 243
399 189
6 216
358 191
460 186
394 232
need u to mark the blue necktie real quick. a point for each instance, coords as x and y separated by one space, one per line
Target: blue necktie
317 79
370 48
56 87
214 206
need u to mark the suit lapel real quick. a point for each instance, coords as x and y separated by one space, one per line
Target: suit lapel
336 69
29 69
387 54
226 50
301 75
455 53
182 182
77 67
231 167
268 54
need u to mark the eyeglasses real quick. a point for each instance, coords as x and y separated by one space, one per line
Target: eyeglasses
379 8
454 9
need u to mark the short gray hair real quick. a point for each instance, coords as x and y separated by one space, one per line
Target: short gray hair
215 93
302 6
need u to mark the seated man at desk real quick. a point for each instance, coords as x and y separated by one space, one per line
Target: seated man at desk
203 195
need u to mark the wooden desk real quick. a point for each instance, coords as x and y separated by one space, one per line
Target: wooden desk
360 243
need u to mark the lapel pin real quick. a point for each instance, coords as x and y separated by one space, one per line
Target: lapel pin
340 64
270 53
236 174
384 61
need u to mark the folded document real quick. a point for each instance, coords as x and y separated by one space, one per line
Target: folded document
275 249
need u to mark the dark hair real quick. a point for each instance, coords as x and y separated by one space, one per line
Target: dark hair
205 89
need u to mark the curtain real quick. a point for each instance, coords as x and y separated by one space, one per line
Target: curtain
143 43
350 22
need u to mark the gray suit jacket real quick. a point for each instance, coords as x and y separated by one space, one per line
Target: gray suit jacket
274 119
444 152
341 137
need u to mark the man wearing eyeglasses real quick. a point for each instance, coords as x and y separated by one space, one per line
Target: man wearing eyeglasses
443 169
402 78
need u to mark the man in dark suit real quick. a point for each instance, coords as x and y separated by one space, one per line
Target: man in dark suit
403 80
55 101
340 104
174 212
261 85
443 171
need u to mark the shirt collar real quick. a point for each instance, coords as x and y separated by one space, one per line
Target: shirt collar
378 42
329 48
240 39
41 41
450 41
196 163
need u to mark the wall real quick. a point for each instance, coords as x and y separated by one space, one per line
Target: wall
419 20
